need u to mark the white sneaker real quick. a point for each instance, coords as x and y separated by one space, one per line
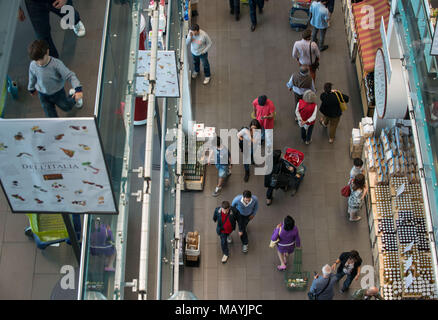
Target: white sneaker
194 75
79 29
207 80
224 259
80 102
245 248
229 239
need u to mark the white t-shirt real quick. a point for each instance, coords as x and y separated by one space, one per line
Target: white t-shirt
355 171
245 133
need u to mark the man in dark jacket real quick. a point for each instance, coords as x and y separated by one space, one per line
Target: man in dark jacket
349 265
225 216
331 109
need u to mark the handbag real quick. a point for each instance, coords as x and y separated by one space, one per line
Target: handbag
314 296
315 65
342 103
346 191
273 243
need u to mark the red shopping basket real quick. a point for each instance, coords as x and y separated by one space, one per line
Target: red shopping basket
294 157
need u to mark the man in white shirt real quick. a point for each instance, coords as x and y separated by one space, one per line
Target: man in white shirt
306 52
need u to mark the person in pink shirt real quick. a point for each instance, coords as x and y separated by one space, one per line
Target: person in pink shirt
264 111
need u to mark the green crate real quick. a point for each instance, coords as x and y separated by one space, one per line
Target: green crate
296 267
296 281
298 256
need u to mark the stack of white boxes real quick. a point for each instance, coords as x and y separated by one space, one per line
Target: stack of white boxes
358 136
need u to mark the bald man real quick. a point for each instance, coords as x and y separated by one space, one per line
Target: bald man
367 294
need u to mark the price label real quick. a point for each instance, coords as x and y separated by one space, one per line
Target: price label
409 280
401 189
408 264
409 247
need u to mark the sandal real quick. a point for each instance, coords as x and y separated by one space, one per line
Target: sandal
281 268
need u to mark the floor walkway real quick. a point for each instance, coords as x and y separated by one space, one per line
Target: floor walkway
245 65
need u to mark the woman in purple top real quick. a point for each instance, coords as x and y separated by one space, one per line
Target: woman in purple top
289 238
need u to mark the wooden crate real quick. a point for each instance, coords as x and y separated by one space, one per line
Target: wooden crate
197 185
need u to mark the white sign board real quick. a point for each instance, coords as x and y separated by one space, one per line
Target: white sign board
408 263
400 190
54 165
380 83
409 280
167 75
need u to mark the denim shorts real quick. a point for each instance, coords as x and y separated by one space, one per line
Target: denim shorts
222 170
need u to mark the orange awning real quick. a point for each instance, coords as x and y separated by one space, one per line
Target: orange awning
369 40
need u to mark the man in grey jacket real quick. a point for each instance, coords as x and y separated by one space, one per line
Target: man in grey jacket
322 286
200 43
47 76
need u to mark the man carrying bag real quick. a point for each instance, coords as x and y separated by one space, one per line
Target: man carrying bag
322 287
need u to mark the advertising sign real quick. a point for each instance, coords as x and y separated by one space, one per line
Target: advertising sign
54 165
167 75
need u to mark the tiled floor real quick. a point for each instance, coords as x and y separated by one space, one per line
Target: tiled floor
25 271
245 65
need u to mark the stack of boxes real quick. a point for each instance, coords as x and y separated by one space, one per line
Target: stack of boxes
358 137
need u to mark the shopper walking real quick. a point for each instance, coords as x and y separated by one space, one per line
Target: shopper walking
222 158
225 216
367 294
306 52
253 4
247 206
331 109
264 111
306 114
356 199
235 8
288 238
299 83
319 21
323 286
39 16
200 43
47 77
249 139
348 265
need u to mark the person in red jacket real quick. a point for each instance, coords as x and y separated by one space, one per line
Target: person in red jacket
264 111
226 223
306 114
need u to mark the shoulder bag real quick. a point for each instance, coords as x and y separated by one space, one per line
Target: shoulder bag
313 296
273 243
342 103
313 65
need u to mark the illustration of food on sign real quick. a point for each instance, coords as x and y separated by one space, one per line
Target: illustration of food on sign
23 153
39 188
88 164
37 129
59 136
17 196
41 148
85 147
15 183
81 203
92 183
3 146
75 128
39 201
78 192
19 136
101 200
69 153
56 185
59 198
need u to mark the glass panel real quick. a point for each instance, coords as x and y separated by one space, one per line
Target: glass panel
100 265
417 38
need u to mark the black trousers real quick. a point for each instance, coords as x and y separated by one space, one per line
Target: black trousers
235 6
242 222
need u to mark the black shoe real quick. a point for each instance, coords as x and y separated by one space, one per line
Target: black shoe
194 13
323 48
294 192
237 17
246 177
261 10
253 27
232 11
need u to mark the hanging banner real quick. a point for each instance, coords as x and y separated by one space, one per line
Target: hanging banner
54 165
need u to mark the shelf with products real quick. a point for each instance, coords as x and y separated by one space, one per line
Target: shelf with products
398 233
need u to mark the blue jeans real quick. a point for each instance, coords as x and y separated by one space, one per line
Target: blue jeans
39 16
60 99
252 9
197 62
224 244
306 135
321 38
347 281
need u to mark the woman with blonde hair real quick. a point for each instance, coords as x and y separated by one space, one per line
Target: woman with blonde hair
306 114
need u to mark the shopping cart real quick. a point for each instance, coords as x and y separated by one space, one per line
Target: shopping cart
49 229
297 280
299 14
